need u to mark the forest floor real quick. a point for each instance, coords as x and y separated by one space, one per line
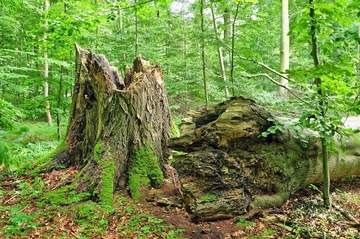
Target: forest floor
25 213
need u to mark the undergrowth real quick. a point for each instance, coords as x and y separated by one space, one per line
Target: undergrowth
26 142
25 214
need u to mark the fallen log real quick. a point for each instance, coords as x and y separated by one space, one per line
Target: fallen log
227 169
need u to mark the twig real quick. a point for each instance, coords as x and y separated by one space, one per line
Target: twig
9 199
346 214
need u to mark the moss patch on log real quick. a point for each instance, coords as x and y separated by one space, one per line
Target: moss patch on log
98 152
105 159
145 171
175 132
107 182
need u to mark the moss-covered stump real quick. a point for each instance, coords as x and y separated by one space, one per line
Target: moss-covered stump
118 128
229 170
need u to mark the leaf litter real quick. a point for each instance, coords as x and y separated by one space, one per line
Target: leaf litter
302 216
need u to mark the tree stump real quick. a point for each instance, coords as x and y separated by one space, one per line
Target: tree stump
117 131
227 169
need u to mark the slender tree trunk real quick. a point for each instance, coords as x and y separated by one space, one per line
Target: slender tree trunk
227 37
136 32
285 45
60 95
46 65
221 59
120 19
203 53
318 82
233 48
184 55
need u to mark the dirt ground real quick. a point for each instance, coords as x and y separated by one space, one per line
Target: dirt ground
302 216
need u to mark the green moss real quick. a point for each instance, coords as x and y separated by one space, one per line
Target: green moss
209 197
107 182
98 151
65 196
145 171
135 181
175 132
267 201
106 193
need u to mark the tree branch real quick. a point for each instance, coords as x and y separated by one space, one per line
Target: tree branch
262 65
277 83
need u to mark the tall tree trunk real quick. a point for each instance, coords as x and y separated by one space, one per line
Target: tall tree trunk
60 95
203 53
221 59
227 37
285 45
136 30
185 68
118 129
233 49
46 65
120 19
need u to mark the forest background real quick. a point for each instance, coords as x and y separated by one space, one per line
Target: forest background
187 38
208 50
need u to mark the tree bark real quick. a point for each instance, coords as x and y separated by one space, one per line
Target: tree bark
285 45
232 64
46 64
203 52
118 129
227 168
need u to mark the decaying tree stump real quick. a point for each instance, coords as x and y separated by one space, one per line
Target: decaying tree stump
228 169
117 133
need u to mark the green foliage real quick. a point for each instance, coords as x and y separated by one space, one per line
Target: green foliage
273 129
64 196
144 171
315 188
19 223
145 225
27 143
8 115
5 158
245 223
92 218
209 197
33 190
